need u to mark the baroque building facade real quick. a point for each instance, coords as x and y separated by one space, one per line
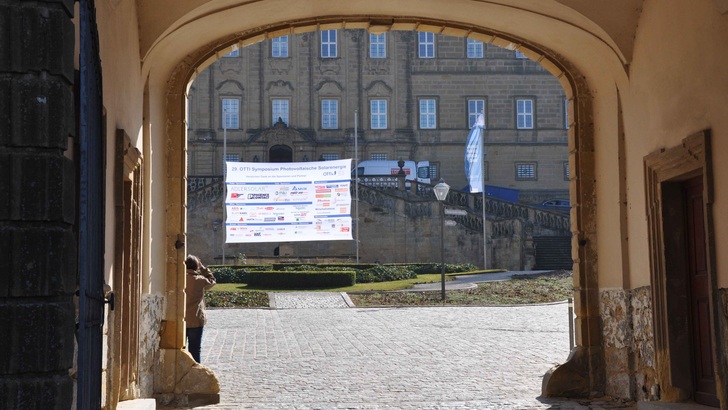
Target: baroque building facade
401 95
410 95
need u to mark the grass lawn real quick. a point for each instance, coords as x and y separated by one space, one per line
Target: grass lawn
552 287
526 289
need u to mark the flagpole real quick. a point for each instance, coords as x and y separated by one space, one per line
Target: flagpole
482 181
356 181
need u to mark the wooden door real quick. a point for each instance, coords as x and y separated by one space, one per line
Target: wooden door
91 210
699 296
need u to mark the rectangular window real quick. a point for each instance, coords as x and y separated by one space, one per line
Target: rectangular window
524 114
426 45
232 158
486 173
328 44
434 171
279 109
234 53
378 157
330 157
377 45
330 114
520 55
230 113
378 114
525 171
428 117
475 108
475 48
279 47
567 172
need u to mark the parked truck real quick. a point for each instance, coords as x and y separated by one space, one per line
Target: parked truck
413 171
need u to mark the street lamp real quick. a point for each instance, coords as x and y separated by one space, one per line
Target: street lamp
215 227
441 190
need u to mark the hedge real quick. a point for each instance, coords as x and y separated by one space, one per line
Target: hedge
301 279
364 273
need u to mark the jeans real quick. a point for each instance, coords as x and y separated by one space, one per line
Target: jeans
194 342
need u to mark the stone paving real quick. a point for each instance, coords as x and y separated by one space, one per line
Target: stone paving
309 354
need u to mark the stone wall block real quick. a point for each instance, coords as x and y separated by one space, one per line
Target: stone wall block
5 183
40 262
152 308
54 392
37 111
37 334
628 342
44 36
616 333
38 188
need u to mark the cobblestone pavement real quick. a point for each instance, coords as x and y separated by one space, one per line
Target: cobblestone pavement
385 358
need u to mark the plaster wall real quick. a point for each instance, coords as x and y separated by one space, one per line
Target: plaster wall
124 104
670 98
122 88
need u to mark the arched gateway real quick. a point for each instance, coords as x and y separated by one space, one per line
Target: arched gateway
648 138
579 377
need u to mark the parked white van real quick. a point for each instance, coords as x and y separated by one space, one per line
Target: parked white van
419 171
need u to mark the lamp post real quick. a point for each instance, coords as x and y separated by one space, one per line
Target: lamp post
441 190
215 227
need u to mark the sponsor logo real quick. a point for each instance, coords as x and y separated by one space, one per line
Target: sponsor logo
247 188
258 196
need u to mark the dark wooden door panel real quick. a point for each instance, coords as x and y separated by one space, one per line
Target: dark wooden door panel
698 278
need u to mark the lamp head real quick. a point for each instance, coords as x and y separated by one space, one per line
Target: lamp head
441 190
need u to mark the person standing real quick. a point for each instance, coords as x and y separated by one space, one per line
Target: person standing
199 279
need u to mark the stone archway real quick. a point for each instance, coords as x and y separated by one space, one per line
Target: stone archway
584 372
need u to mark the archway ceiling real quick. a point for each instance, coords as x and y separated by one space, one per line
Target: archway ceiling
578 30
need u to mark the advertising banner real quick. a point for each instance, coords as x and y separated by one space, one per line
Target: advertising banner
288 201
474 156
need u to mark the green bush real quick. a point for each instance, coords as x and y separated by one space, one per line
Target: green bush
364 273
426 268
230 274
235 273
318 266
301 279
385 273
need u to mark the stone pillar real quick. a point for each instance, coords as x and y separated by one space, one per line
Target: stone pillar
401 176
37 209
178 379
